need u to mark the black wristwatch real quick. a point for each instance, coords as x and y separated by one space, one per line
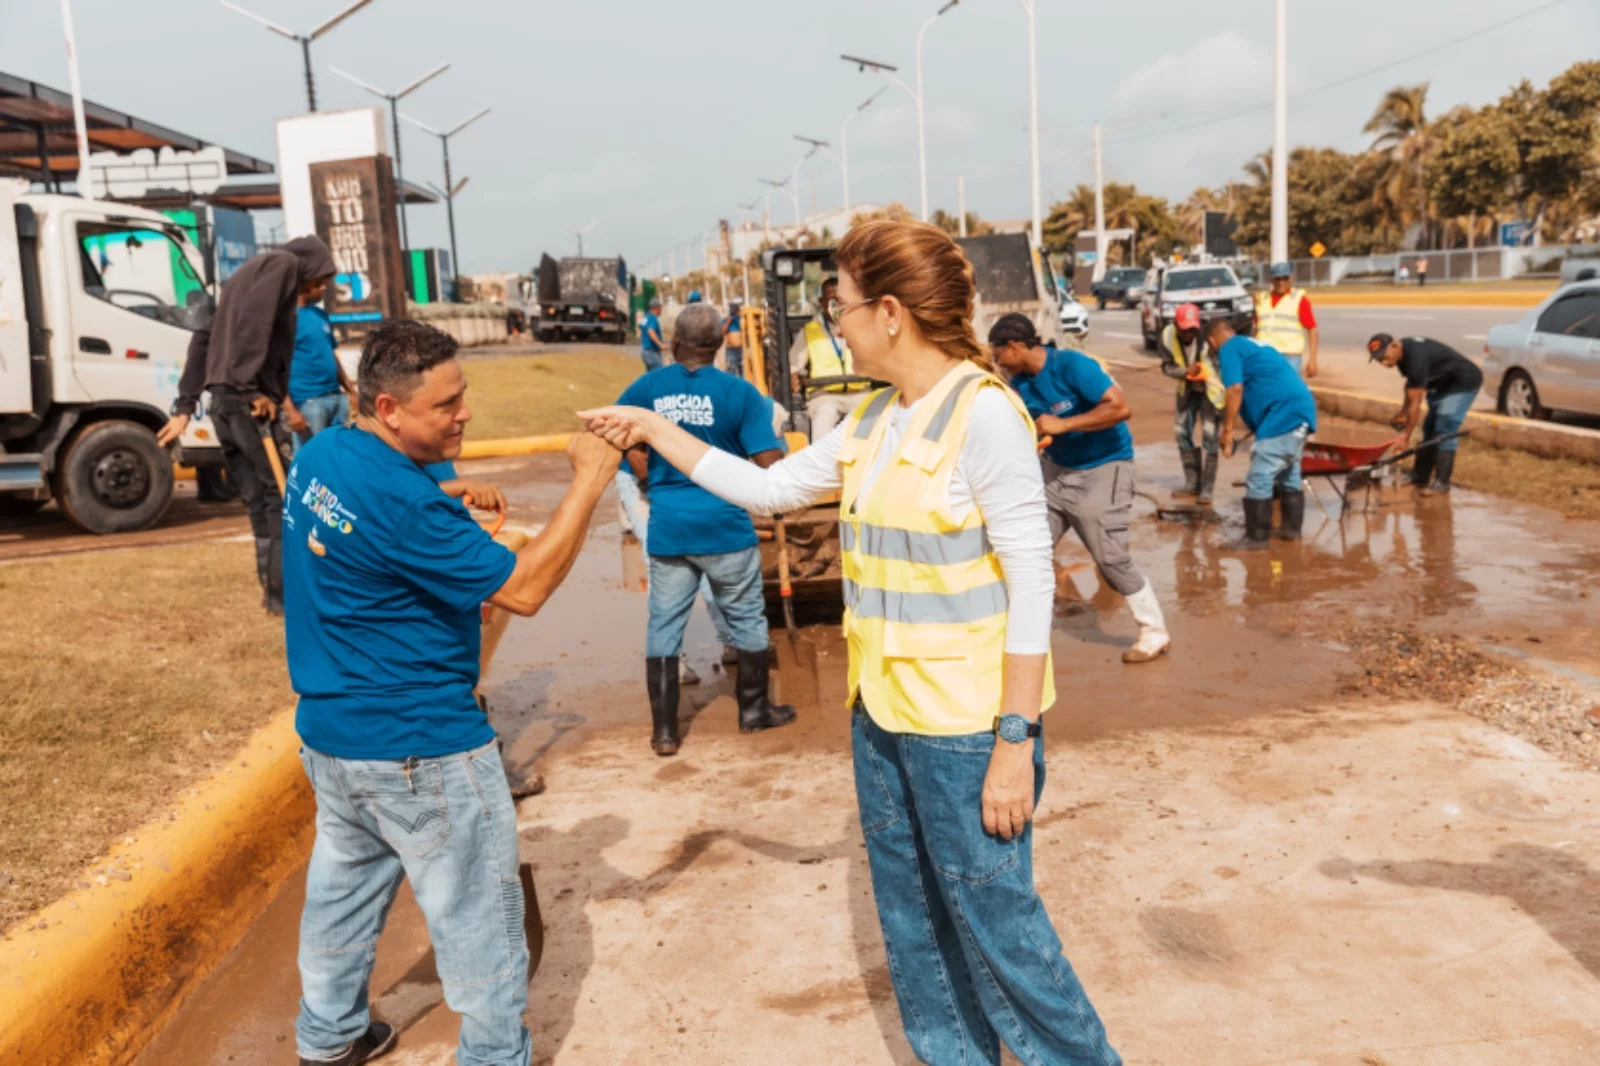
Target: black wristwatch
1015 729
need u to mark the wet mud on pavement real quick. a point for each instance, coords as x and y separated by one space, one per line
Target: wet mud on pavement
1248 864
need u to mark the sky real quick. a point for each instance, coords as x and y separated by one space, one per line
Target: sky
654 119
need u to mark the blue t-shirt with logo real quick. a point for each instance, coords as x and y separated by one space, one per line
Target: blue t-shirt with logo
314 369
1275 400
652 322
1071 383
727 413
383 577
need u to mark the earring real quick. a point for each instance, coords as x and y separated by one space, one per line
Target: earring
894 331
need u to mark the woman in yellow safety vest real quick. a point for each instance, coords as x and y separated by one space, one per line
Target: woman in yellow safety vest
948 587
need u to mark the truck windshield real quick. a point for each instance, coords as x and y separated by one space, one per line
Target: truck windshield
143 270
1200 279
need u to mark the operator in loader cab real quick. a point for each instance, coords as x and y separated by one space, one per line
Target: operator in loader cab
820 351
242 357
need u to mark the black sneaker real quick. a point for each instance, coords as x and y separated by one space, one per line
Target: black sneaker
377 1040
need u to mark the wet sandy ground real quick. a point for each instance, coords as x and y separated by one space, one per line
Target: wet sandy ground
1246 867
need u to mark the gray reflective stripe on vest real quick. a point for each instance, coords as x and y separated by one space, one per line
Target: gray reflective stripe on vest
947 410
933 549
875 408
927 608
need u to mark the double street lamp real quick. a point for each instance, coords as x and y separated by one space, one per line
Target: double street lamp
449 190
303 39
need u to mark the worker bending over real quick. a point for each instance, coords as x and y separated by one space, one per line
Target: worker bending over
1450 381
242 358
1285 322
384 575
1088 464
1185 355
821 352
1264 391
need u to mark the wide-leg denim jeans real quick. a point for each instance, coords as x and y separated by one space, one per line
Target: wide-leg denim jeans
972 954
449 827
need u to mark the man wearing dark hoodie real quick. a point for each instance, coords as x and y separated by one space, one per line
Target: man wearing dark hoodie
242 357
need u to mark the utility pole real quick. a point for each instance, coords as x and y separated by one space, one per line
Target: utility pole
303 39
1030 6
1280 137
85 180
1099 211
449 190
961 204
394 120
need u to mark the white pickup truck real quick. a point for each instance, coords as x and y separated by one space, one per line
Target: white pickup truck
1212 287
98 301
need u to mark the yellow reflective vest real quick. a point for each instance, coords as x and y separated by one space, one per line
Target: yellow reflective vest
925 595
1214 390
825 360
1279 327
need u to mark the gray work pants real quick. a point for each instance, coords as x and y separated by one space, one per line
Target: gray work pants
1097 505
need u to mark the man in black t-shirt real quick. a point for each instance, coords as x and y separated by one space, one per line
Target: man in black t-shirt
1450 381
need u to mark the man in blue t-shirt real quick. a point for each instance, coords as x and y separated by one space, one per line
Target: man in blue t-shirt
1266 391
693 534
650 344
1088 463
384 575
318 389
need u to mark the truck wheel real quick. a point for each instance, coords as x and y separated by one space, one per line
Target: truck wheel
113 478
19 506
1099 303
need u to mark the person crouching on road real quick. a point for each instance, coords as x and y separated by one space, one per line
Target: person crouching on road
1264 391
1088 465
948 590
692 535
1450 382
1286 323
319 392
1185 355
384 575
820 352
242 357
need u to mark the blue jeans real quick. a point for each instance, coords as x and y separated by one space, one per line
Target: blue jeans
320 412
448 826
1447 412
735 357
652 360
734 580
639 518
972 954
1193 408
1298 362
1275 465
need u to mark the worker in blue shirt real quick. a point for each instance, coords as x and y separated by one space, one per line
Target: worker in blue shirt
693 534
733 338
1267 393
1088 463
319 391
384 575
650 344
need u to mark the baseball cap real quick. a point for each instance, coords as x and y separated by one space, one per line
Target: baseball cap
1282 270
1378 345
1187 316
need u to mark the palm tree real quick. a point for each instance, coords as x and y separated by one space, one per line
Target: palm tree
1404 136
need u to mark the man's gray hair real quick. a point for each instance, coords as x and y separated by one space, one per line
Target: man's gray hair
697 333
394 358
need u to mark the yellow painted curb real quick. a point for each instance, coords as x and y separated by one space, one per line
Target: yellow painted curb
509 446
1521 298
116 959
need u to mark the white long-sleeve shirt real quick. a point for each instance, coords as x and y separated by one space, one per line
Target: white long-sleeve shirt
997 473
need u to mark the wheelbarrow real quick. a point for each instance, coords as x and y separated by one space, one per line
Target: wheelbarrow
1352 468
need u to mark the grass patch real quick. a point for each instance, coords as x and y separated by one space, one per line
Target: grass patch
1566 485
530 395
128 675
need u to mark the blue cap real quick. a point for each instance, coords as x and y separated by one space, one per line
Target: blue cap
694 296
1282 270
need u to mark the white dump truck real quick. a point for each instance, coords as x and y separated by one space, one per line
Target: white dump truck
98 301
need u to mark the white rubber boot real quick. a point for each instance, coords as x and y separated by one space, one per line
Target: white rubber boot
1153 640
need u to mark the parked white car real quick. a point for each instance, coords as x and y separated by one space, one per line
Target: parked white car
1549 360
1074 316
1212 287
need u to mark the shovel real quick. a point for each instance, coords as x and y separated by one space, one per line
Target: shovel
269 442
801 645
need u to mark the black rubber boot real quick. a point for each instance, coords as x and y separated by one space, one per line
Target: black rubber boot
1442 471
377 1040
1191 474
1257 526
661 676
1422 467
1208 478
1292 507
756 709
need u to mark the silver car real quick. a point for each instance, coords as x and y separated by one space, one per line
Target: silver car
1550 359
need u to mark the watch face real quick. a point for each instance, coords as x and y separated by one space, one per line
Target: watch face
1013 729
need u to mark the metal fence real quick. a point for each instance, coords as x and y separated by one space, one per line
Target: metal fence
1457 264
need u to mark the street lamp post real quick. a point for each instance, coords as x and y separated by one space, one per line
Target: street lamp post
1030 7
794 189
79 123
578 233
394 121
844 144
1280 138
449 190
827 150
304 39
766 218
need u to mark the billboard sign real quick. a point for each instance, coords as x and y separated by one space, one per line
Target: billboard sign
353 201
